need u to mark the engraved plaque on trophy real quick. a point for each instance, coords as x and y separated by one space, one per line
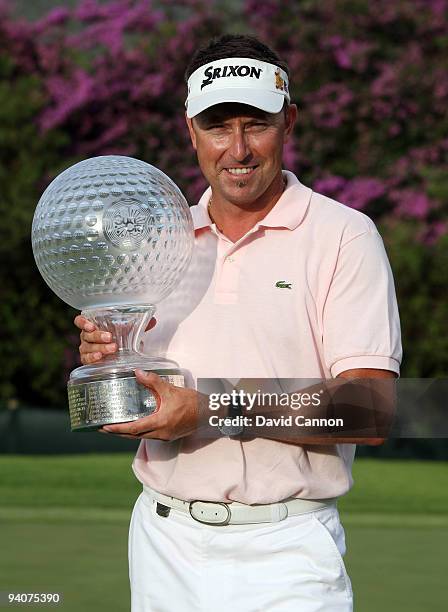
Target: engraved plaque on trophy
112 236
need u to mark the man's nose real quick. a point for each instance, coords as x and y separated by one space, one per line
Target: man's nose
239 147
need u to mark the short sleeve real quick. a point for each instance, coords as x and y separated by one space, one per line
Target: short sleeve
361 325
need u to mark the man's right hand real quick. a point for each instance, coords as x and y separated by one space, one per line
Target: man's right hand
94 342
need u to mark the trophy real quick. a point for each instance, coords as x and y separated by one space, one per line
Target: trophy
112 236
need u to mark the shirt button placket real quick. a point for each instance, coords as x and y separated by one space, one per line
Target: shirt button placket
226 289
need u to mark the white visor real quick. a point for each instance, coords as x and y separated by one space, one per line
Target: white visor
237 79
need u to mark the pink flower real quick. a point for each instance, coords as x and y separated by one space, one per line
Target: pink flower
68 96
56 17
359 192
411 203
328 105
330 185
431 234
356 193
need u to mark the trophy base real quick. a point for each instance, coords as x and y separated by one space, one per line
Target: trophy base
100 395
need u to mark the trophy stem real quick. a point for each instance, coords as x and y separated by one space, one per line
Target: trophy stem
107 391
125 323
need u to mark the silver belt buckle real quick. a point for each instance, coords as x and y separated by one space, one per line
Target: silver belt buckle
225 521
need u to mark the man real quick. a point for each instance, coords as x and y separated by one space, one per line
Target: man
284 284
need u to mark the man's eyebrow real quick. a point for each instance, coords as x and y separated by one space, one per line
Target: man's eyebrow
264 117
219 119
210 120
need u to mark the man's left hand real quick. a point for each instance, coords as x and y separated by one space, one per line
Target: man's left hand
176 414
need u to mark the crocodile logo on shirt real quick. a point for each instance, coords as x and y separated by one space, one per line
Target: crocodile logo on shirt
283 285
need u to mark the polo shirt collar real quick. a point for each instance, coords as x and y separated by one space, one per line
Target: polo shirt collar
288 212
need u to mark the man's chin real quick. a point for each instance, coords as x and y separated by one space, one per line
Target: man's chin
241 193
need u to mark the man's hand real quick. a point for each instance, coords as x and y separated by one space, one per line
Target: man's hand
176 415
94 343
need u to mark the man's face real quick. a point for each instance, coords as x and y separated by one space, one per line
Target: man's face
240 149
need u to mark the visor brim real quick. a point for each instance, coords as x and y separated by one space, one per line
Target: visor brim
268 101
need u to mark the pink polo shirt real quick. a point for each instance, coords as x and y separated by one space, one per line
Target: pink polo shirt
228 319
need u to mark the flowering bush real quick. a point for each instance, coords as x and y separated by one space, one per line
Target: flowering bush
95 80
113 77
372 89
371 83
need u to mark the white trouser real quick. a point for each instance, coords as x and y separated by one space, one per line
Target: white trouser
177 564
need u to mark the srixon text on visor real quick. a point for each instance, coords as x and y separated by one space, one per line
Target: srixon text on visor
230 71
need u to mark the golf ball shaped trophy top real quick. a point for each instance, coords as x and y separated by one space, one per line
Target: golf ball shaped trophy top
112 236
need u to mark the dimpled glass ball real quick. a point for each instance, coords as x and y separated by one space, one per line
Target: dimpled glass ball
110 231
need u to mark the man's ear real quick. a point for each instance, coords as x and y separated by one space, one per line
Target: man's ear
191 131
290 121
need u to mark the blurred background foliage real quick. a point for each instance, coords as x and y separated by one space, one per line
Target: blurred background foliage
79 79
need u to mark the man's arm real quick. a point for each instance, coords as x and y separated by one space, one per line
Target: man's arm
383 420
366 406
182 412
362 399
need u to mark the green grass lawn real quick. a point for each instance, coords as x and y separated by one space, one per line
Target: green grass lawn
63 527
